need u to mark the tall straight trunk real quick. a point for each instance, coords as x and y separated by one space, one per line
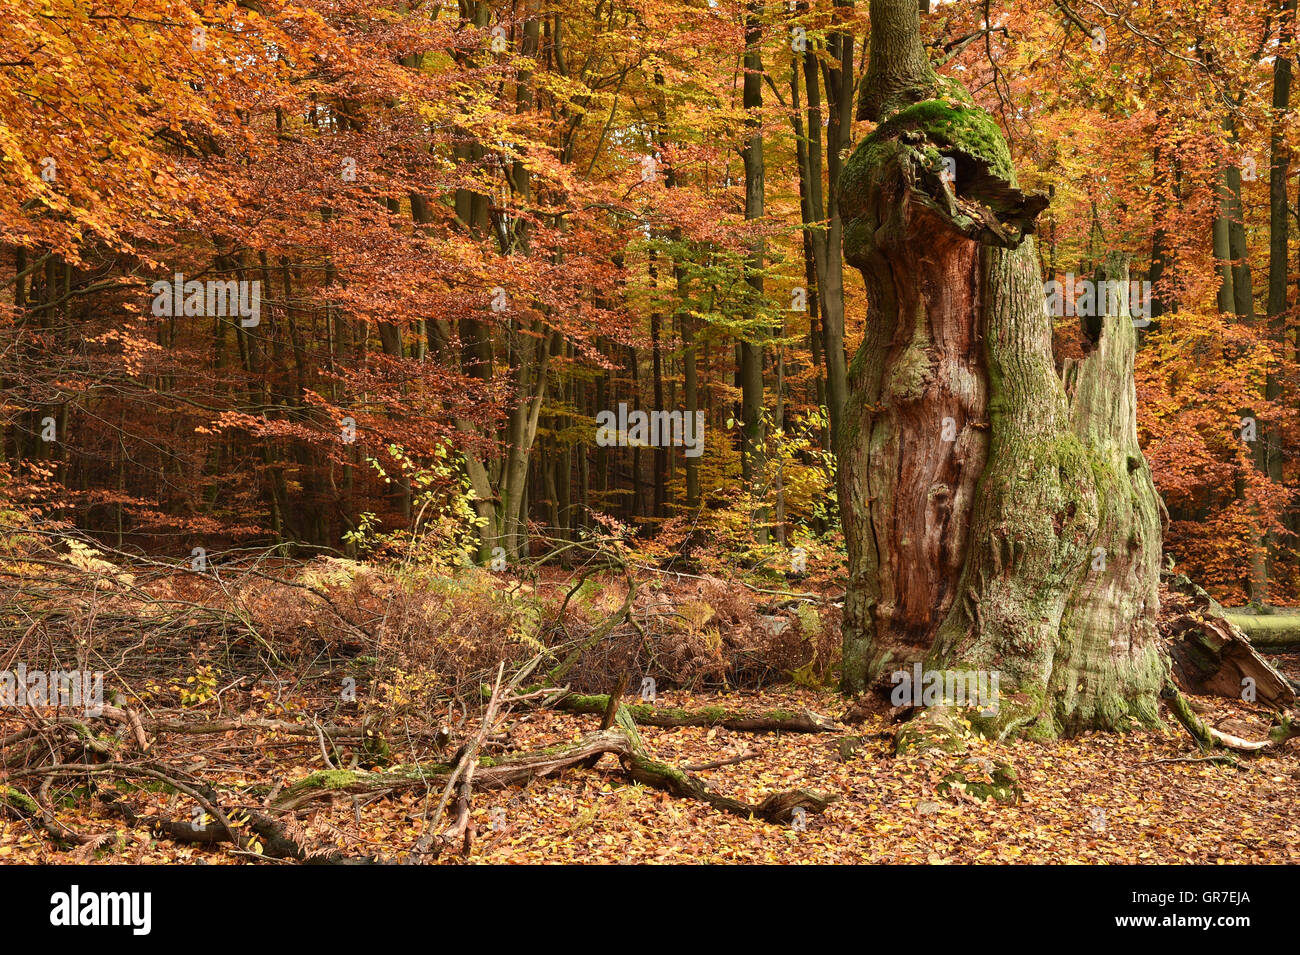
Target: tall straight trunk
778 479
500 485
820 203
559 467
753 445
1269 450
1159 238
685 321
804 167
1222 246
997 517
690 386
840 87
634 376
1243 301
660 452
1236 296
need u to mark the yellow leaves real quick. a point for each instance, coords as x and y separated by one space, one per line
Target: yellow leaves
199 688
87 559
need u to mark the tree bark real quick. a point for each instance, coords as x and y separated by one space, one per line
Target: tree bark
754 440
998 518
1269 450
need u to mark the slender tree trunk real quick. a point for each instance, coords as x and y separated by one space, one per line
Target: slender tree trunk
1243 300
820 204
1236 296
690 387
1222 245
753 447
1269 450
659 452
1159 238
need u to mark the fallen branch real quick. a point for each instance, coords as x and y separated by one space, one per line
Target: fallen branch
464 772
277 841
279 726
645 714
1207 737
599 632
719 763
622 740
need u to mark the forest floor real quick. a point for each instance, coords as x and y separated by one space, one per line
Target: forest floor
1144 797
225 690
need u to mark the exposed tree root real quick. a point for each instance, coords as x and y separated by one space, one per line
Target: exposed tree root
944 728
1208 737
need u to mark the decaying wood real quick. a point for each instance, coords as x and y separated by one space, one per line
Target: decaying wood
277 841
1211 655
20 805
331 731
611 712
719 763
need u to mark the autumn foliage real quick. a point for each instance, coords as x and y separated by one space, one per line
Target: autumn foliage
475 226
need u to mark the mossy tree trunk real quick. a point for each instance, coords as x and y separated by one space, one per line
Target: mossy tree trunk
999 515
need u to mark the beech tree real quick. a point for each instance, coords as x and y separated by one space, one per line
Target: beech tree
999 515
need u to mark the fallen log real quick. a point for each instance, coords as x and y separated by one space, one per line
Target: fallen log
645 714
1270 632
277 726
622 740
276 841
1212 656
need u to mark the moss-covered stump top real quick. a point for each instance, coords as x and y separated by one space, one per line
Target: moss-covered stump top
955 126
952 157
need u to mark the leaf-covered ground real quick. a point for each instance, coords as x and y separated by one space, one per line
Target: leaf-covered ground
1094 799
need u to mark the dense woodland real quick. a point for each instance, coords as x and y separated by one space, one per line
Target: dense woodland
652 229
326 328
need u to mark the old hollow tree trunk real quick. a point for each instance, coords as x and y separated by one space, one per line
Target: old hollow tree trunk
1000 516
